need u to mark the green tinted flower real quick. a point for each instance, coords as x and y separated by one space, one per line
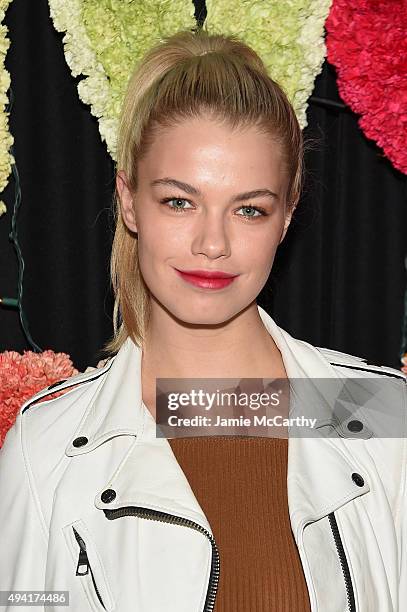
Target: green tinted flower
288 36
104 40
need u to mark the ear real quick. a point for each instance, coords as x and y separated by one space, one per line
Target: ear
126 201
287 221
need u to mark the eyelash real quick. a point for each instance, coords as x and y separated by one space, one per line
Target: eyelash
178 210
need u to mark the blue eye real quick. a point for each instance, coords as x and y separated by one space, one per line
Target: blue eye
261 211
175 199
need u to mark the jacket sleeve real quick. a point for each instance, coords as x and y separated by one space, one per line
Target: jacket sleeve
23 534
402 514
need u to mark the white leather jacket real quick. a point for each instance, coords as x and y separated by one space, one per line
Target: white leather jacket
93 503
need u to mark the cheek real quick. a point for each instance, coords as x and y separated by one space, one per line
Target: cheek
157 242
257 252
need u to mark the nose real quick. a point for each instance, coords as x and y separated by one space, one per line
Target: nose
211 237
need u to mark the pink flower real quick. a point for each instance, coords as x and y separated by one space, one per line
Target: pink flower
367 43
21 376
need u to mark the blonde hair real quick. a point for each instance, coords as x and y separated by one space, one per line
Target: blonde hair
184 75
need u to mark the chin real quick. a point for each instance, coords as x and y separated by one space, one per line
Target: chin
200 309
204 314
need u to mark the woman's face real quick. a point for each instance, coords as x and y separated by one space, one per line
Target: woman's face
193 211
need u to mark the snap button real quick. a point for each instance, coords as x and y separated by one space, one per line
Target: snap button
357 479
108 496
81 441
355 425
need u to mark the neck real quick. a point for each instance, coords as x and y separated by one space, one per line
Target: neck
241 347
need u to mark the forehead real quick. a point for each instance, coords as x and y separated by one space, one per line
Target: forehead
210 152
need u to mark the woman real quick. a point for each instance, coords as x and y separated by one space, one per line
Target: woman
210 158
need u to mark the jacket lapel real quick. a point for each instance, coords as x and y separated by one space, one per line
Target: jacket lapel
151 477
319 473
148 474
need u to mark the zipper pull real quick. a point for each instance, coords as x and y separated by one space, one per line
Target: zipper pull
83 562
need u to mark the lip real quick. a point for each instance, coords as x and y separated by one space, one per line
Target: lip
207 279
207 273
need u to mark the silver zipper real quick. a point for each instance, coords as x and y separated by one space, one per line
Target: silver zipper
344 562
164 517
83 562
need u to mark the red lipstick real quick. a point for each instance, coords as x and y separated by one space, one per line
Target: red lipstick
207 279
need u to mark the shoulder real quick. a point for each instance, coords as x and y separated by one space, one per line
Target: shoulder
72 387
359 366
50 417
373 405
375 402
44 425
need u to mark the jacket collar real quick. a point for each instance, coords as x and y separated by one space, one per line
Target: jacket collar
320 470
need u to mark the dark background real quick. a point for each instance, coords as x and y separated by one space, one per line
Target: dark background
338 280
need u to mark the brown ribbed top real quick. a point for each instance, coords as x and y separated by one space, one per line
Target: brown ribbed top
241 485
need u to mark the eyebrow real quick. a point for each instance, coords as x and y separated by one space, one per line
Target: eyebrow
240 197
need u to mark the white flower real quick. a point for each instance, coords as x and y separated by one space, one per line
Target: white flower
6 139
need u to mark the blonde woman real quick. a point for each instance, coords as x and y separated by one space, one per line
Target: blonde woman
94 503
